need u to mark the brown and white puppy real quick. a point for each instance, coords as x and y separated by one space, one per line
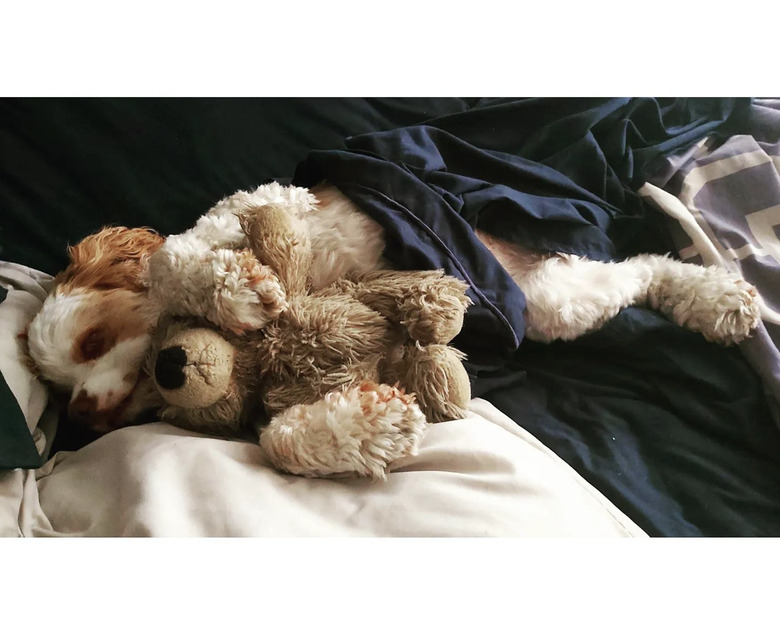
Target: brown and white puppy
92 333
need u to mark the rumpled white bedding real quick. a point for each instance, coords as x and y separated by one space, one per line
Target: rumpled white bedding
481 476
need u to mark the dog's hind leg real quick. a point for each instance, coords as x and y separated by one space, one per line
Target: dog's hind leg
568 296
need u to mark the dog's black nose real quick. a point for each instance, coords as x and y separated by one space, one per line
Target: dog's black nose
169 368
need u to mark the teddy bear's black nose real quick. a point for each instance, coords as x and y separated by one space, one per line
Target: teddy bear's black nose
169 368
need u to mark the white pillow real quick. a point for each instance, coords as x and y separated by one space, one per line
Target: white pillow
27 289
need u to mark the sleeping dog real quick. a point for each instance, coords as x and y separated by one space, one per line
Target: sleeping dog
92 333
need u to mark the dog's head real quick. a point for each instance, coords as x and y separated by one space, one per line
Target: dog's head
92 333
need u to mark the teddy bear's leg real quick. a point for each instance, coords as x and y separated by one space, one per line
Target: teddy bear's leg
437 378
356 431
430 304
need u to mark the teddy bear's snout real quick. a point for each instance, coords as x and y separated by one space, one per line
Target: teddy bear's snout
169 368
193 368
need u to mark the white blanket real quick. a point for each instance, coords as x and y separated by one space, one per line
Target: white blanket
482 476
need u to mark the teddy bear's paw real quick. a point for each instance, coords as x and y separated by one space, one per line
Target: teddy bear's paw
248 294
357 431
720 305
392 422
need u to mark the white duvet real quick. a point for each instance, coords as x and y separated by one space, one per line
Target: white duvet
481 476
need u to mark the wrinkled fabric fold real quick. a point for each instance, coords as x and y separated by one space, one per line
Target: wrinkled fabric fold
555 175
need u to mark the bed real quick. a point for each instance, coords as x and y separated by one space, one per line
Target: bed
640 428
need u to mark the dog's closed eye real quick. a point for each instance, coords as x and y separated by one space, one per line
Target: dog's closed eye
94 344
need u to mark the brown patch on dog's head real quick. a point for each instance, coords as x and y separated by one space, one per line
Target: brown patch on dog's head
112 258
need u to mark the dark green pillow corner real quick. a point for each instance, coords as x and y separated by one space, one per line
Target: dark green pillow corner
17 448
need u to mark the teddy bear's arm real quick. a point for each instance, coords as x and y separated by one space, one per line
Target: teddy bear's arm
221 226
228 287
429 303
279 240
437 377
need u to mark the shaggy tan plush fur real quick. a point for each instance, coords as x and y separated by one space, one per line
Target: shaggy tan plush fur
347 374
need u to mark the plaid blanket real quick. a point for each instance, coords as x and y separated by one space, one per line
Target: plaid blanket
722 199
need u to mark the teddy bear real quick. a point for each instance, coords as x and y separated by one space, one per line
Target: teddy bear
337 380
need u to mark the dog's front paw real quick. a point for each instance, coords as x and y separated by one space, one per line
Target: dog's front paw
248 294
720 305
357 431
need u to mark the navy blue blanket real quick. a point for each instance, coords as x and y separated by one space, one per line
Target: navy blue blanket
674 430
549 174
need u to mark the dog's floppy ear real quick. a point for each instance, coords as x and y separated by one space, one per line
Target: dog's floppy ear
112 258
